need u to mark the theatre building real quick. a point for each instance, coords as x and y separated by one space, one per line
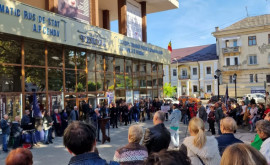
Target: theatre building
59 53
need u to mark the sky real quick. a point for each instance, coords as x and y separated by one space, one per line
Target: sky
194 21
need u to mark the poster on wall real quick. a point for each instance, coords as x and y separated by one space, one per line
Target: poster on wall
137 95
134 20
129 97
77 9
110 96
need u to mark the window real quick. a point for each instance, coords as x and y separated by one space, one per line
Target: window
235 60
208 70
252 40
227 43
231 79
252 60
268 38
256 78
194 71
195 88
208 88
269 58
228 62
184 72
174 72
234 43
251 78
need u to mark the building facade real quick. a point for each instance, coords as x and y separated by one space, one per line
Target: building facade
64 54
243 49
193 70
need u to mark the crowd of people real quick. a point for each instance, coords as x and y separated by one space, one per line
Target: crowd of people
158 144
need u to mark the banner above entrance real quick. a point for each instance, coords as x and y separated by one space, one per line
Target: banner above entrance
26 21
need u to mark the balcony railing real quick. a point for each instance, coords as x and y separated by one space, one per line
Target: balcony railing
231 50
231 67
183 77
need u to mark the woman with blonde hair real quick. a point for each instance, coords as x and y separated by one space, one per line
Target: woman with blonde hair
201 149
242 154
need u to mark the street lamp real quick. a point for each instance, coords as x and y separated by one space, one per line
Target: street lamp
218 73
177 77
234 78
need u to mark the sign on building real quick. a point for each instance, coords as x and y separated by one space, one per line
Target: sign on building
134 20
77 9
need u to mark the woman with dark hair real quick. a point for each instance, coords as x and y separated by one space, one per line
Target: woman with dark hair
168 158
64 118
260 113
47 126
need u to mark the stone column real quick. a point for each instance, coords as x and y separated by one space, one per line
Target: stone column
144 22
122 17
94 13
106 19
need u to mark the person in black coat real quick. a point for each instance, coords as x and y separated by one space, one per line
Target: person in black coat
114 115
64 119
157 137
125 113
16 132
227 128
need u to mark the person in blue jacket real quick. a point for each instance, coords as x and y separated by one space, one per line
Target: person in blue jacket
227 127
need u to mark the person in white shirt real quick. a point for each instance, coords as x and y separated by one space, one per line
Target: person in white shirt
252 117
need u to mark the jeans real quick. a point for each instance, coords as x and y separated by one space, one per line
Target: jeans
175 137
34 140
185 120
252 124
136 117
218 125
5 138
46 133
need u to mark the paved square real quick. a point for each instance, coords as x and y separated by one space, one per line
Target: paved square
57 154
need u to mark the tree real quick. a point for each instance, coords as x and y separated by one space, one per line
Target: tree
169 91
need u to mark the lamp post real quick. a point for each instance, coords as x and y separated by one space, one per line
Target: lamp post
218 73
234 78
177 77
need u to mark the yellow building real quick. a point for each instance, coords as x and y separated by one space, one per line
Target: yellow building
196 69
62 53
244 49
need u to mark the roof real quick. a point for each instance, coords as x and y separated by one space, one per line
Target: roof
193 54
250 22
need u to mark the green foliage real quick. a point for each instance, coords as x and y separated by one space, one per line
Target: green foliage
92 86
169 91
80 87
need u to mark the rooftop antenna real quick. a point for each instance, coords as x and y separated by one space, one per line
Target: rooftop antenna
247 11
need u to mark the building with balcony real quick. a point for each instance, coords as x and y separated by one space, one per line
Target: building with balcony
63 53
244 49
193 69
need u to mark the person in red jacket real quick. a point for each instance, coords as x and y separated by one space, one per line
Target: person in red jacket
267 109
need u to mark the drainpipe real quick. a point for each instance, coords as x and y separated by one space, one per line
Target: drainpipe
199 76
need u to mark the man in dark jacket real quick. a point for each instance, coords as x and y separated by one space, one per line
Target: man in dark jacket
218 115
26 121
5 132
157 137
16 132
227 127
80 140
202 111
114 115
